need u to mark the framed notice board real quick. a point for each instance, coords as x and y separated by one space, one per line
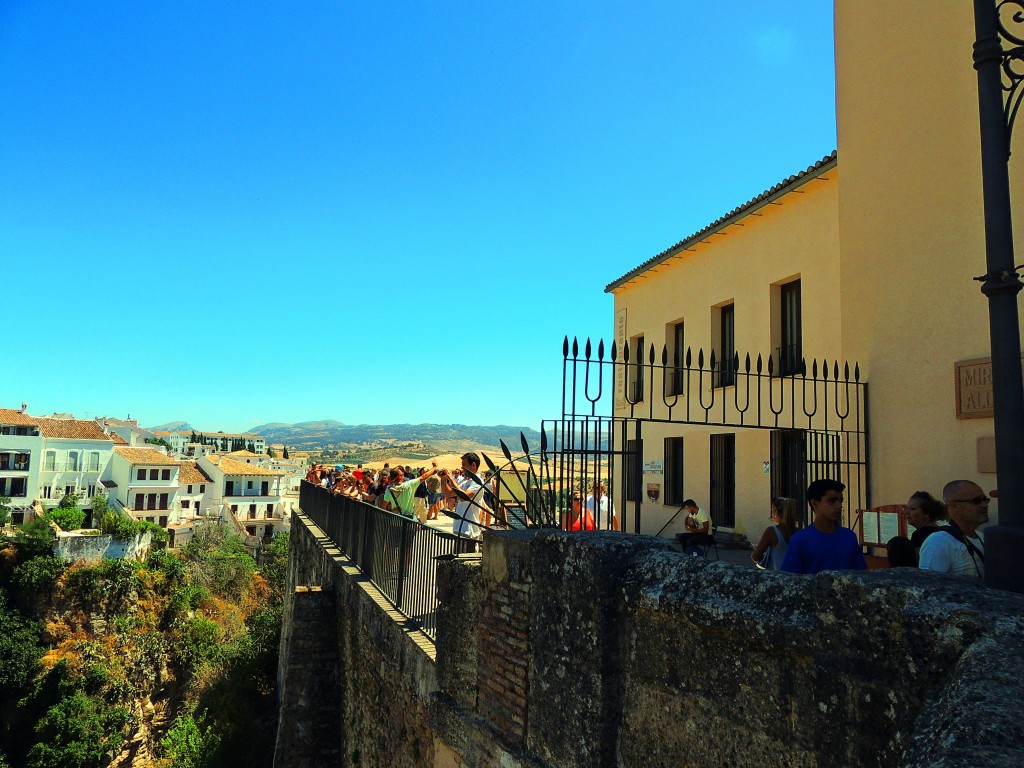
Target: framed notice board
879 524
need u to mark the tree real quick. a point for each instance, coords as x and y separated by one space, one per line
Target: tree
5 510
285 454
99 507
250 447
69 500
158 441
271 453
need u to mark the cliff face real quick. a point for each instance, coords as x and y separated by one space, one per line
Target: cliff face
143 663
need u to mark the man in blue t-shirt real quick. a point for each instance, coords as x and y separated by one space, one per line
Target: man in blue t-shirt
825 545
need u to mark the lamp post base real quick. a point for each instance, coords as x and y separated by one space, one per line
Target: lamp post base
1004 557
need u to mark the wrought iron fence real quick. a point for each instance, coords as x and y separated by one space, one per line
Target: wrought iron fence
397 554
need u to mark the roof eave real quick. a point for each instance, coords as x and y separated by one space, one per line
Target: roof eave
769 196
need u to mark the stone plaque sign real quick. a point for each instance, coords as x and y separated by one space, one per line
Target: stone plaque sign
974 389
654 467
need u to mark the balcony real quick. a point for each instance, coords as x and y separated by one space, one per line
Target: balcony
14 462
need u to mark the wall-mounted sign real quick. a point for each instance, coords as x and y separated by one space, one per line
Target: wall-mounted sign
654 467
974 388
767 469
653 491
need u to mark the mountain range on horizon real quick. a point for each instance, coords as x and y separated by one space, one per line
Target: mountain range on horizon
329 432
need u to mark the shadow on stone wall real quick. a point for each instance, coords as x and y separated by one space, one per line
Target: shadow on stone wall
603 649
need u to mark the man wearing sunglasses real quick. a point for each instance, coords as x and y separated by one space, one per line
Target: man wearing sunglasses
961 551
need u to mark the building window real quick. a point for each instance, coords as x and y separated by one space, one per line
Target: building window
635 371
150 501
632 464
163 501
252 511
790 351
165 474
72 461
185 504
69 490
93 464
46 491
92 491
249 485
139 501
234 508
141 474
723 479
202 489
154 474
50 461
725 346
674 493
190 490
270 510
677 359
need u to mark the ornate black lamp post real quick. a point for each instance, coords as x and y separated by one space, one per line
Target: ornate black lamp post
999 61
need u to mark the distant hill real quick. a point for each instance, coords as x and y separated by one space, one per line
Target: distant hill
172 426
313 435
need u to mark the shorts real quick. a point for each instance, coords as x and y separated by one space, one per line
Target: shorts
419 508
433 498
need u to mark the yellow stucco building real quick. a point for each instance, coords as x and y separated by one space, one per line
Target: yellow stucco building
868 257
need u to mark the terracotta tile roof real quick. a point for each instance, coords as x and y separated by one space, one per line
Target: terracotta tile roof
190 473
248 454
118 440
11 416
232 467
144 456
72 429
784 187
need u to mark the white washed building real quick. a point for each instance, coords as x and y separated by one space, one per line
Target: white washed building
145 482
249 492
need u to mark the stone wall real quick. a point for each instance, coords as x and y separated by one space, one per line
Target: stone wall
570 651
92 549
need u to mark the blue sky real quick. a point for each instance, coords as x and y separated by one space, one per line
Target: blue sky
372 212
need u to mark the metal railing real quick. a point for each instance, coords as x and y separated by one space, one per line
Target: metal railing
394 552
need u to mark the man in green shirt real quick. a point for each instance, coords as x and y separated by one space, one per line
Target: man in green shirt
401 492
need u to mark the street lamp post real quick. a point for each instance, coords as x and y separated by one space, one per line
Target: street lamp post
1000 88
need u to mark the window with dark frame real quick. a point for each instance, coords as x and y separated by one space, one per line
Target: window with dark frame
154 474
140 474
674 492
677 361
165 474
632 467
723 479
791 350
727 346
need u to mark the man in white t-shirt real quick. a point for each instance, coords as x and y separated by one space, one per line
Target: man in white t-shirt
467 513
698 526
601 508
959 548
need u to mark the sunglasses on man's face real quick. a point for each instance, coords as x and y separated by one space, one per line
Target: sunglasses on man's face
976 501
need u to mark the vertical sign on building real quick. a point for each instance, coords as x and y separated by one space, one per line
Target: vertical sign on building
620 370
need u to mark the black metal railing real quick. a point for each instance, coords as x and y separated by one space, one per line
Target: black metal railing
396 553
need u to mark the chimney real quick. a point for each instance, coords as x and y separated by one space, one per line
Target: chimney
24 407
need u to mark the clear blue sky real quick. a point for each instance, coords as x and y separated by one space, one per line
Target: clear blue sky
373 212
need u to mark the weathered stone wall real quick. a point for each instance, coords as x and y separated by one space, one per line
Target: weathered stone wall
92 549
569 651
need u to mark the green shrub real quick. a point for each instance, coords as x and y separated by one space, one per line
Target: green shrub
188 746
33 538
77 732
68 518
39 574
19 648
199 642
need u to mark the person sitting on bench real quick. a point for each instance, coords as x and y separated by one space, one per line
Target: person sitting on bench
698 526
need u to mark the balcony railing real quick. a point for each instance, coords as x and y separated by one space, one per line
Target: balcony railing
14 466
397 554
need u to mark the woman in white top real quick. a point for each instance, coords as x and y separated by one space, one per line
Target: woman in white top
786 520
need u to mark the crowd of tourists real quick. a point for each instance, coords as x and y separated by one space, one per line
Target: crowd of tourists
421 494
955 547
